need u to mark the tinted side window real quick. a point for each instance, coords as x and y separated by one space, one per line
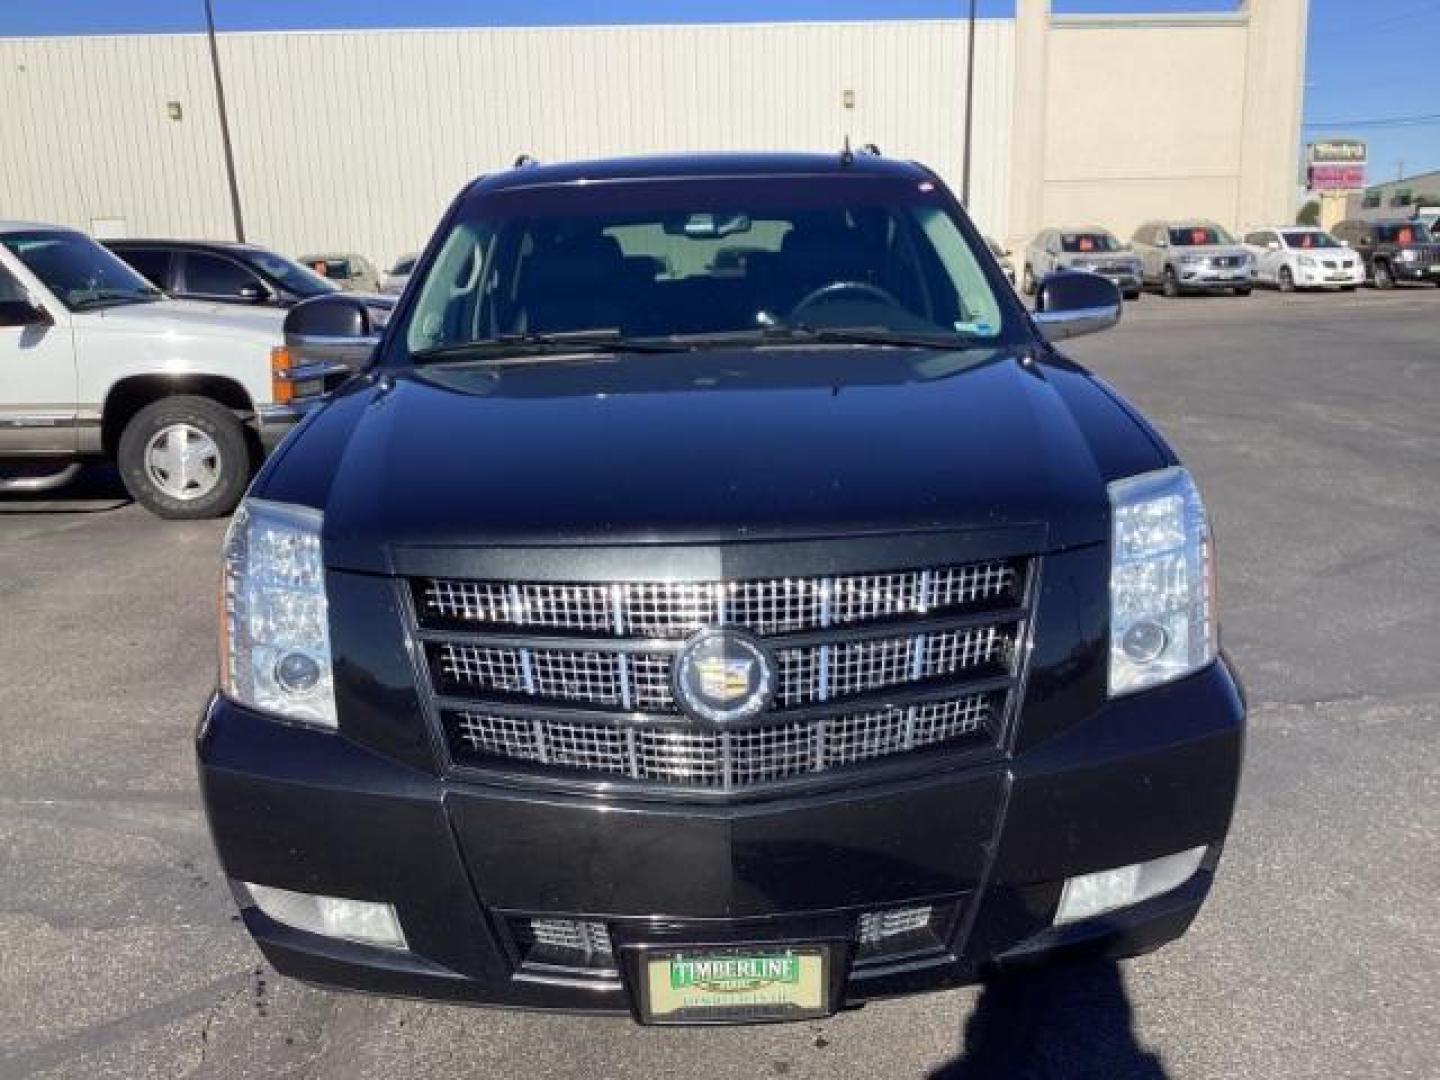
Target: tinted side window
210 275
153 264
10 290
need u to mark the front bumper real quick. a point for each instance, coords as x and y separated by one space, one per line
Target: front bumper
274 422
1420 270
1208 277
987 846
1315 277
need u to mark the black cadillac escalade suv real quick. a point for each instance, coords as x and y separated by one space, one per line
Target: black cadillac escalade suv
716 600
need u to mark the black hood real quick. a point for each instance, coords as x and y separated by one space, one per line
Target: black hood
711 447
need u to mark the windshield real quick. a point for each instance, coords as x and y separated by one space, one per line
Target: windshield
1198 236
291 275
695 258
81 273
1304 241
1088 242
1409 232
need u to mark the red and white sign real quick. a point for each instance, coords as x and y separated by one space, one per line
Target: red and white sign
1335 177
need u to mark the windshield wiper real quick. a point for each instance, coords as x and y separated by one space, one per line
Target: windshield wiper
549 344
116 296
801 333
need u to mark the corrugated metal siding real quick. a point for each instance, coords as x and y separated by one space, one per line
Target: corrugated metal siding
84 134
357 140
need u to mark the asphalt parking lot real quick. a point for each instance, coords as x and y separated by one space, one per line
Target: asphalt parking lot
1312 424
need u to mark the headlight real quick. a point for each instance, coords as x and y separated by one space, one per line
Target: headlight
1306 260
1162 591
275 628
1408 255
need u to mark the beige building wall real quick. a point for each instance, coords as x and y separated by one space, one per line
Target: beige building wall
85 135
1158 116
357 141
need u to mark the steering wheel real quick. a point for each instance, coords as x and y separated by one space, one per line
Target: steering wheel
826 293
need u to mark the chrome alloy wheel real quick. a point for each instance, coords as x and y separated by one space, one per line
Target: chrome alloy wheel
183 462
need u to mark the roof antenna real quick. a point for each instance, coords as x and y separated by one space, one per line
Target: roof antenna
847 156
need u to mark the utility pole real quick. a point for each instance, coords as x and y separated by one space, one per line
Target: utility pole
224 123
969 105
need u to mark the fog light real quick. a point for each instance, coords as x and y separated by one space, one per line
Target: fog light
333 916
1106 890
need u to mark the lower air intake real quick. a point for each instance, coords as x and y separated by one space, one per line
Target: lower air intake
564 944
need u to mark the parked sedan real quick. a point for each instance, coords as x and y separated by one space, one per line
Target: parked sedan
223 272
1090 248
393 283
1192 256
352 272
1299 257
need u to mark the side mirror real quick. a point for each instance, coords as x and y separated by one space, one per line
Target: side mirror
1074 302
254 294
23 313
334 334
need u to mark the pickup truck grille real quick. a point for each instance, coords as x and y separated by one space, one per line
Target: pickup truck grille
575 678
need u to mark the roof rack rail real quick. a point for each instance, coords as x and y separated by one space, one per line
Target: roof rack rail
525 161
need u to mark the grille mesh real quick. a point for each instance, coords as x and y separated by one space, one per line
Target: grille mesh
642 680
721 760
665 609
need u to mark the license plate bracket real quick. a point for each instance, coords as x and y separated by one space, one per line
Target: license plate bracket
731 985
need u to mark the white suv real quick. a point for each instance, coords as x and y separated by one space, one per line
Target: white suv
1300 257
95 362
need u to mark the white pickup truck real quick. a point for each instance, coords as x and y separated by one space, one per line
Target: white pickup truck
97 363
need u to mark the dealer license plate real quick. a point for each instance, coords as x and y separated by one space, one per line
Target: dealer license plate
705 987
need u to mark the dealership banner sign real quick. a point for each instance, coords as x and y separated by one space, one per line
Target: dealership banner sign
1336 165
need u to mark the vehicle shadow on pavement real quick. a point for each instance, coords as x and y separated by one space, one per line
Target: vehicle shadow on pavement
98 488
1070 1022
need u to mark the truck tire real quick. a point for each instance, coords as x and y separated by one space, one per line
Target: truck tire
185 457
1170 283
1384 279
1287 280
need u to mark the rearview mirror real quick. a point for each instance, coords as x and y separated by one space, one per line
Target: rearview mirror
1075 302
334 334
23 313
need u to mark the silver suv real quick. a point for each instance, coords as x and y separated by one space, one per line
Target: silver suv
1088 248
1192 256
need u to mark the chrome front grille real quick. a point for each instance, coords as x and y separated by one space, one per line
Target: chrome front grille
724 760
641 680
669 609
575 678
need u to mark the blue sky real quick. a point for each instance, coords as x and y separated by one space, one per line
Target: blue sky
1369 60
